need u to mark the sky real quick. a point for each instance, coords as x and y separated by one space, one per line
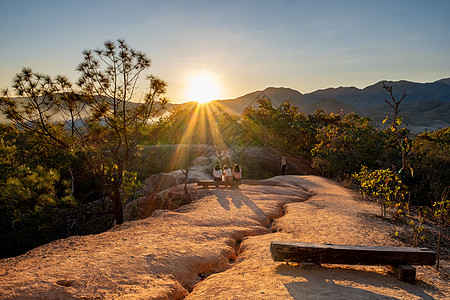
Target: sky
238 46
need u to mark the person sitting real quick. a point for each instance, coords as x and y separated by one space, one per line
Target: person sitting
217 173
227 173
237 173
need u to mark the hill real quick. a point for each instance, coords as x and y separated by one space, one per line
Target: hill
55 115
217 247
277 95
427 105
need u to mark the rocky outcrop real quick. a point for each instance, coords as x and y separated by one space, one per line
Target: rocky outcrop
163 181
218 247
162 191
169 199
159 190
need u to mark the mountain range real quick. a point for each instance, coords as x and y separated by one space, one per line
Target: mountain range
426 106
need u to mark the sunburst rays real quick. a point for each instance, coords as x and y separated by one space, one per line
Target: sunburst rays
201 126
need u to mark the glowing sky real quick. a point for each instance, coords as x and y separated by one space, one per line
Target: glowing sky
246 45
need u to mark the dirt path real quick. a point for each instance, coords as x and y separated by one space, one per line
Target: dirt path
331 215
218 248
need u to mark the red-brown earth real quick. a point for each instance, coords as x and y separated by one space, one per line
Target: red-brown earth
217 247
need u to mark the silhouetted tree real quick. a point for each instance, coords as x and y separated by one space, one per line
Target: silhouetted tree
103 118
108 83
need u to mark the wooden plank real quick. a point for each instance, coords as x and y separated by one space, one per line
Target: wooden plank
350 254
211 182
208 183
404 272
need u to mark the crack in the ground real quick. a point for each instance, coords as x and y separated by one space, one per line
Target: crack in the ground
237 247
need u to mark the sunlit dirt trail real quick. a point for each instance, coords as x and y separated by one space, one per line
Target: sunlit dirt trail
217 247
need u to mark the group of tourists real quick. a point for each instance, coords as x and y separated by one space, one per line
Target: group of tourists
235 174
227 174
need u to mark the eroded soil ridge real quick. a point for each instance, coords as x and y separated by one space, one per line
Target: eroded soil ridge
217 247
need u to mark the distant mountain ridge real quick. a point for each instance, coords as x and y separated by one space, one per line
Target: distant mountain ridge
426 106
277 95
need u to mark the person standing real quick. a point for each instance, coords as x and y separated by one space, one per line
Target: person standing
283 166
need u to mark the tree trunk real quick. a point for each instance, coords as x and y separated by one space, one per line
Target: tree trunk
438 247
186 173
117 198
117 201
72 191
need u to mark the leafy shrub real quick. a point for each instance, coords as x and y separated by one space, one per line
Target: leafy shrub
431 164
343 146
383 186
31 211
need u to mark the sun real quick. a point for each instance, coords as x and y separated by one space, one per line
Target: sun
203 87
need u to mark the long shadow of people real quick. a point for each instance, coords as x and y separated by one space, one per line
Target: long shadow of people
238 199
249 203
223 199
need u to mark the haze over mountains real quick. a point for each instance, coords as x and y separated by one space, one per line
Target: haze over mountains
426 106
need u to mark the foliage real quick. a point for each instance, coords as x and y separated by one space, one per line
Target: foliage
283 128
346 144
383 185
68 147
260 123
416 225
108 83
169 129
99 119
37 198
144 164
34 201
130 188
441 208
402 187
441 211
431 164
43 107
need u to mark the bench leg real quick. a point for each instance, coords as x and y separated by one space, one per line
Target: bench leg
404 272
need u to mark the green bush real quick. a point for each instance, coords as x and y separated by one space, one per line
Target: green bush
384 186
431 165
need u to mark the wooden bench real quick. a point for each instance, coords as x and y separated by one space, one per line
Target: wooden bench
208 183
399 259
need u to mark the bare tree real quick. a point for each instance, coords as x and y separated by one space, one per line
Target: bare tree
396 122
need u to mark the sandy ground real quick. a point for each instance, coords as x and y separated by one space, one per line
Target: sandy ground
218 248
